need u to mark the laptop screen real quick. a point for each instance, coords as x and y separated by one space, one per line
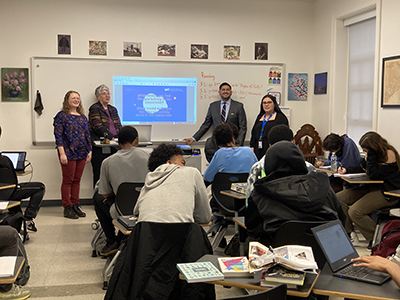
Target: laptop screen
17 158
335 243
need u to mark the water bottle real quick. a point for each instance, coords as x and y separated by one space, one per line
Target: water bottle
333 162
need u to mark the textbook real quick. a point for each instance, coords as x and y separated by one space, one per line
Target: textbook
280 274
256 249
234 266
128 221
239 187
200 272
300 258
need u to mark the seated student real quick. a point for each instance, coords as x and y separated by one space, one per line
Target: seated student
381 264
229 158
288 192
23 190
9 247
347 154
172 192
277 133
381 162
211 145
127 165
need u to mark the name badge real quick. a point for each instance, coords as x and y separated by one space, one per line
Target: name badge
259 144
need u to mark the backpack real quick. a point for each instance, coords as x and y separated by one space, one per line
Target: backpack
25 272
15 220
99 241
390 239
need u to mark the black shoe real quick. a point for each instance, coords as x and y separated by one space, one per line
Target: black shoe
79 212
109 249
70 213
31 226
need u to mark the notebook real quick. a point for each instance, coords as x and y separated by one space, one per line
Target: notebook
339 251
17 158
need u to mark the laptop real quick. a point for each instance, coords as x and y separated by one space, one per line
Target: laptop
17 158
144 132
339 251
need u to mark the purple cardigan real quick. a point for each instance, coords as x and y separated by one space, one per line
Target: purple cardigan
72 132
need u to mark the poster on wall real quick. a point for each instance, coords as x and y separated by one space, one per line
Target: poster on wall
390 82
275 76
166 50
132 49
297 86
231 52
199 51
14 84
320 83
63 44
261 51
98 48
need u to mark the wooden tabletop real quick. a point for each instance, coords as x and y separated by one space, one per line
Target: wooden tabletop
24 173
326 170
4 186
11 203
361 179
233 194
394 193
121 227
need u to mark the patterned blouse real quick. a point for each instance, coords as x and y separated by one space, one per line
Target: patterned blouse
72 132
100 120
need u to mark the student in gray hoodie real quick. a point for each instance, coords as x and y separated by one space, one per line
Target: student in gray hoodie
172 192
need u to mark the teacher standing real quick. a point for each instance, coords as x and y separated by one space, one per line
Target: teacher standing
71 131
269 116
104 122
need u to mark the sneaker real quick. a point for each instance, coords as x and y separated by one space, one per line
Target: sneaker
354 238
70 213
30 225
109 249
16 293
77 208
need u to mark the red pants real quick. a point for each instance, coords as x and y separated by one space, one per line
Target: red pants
72 173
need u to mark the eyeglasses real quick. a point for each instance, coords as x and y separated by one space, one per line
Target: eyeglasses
104 93
269 102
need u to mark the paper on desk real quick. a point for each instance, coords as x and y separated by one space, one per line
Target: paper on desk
3 204
352 175
7 265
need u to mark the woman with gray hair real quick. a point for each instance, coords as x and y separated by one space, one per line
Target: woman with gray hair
103 122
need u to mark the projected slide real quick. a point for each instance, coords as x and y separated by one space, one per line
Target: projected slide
146 100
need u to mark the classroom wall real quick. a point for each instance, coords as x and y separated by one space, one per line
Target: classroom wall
30 28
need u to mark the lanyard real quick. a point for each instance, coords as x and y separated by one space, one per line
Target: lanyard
265 122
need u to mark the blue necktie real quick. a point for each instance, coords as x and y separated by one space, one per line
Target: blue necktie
223 113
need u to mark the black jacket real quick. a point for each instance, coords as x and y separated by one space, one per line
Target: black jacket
146 269
298 197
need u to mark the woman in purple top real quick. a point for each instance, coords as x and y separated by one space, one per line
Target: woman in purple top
103 121
71 131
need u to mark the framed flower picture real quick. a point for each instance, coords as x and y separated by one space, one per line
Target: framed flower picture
14 84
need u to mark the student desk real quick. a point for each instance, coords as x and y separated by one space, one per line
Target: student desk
250 283
11 203
4 186
360 180
326 170
24 173
329 285
106 148
18 265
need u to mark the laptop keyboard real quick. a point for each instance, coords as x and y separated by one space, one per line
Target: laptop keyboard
359 272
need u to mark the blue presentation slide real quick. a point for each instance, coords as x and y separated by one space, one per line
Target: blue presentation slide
150 103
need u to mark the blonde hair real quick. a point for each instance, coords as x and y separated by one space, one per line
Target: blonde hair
66 106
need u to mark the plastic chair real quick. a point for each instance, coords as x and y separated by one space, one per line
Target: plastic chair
276 293
228 206
299 233
7 177
125 201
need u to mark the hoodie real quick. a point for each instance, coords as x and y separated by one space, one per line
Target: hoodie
289 193
173 194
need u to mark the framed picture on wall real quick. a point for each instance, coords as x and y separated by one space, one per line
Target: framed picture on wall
320 83
390 82
64 44
14 84
297 86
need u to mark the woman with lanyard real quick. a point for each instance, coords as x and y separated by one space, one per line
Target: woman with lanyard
269 116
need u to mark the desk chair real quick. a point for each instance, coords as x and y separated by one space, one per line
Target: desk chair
299 233
228 206
7 177
125 201
276 293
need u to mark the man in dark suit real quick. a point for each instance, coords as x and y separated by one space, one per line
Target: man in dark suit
223 111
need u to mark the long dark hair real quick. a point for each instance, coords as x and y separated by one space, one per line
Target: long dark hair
373 141
276 106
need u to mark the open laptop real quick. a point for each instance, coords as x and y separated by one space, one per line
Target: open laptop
17 158
144 132
339 251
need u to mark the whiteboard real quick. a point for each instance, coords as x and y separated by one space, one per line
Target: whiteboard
55 76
